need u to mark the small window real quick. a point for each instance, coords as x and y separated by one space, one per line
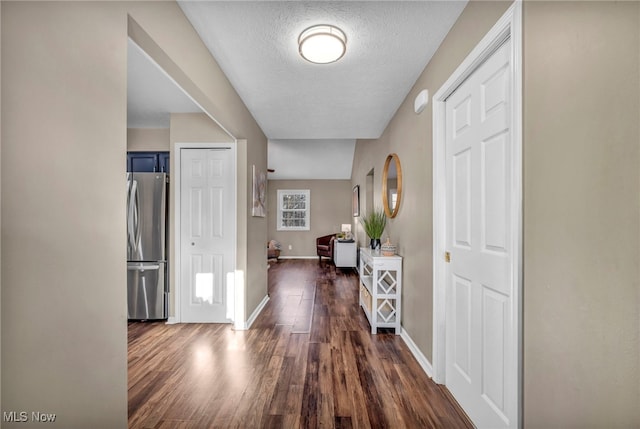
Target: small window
294 207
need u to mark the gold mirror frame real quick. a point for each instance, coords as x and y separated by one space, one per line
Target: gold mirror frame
385 173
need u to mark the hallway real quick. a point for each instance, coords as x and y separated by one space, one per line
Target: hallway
308 361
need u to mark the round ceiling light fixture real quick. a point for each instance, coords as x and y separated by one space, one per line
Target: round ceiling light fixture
322 44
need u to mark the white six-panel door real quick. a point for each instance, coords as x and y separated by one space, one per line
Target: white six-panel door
207 228
479 323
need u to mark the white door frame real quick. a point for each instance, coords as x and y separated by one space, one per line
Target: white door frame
509 26
177 275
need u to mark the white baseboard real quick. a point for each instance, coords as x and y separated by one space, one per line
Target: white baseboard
172 321
240 326
415 351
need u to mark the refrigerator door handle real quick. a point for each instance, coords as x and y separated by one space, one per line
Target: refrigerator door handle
132 214
129 216
144 267
135 216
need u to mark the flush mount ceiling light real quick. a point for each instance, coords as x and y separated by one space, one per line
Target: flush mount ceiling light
322 44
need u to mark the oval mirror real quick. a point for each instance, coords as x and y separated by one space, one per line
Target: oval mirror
391 185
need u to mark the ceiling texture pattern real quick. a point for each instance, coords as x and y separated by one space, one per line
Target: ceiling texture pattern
312 114
388 46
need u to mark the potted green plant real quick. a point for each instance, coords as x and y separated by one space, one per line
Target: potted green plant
374 224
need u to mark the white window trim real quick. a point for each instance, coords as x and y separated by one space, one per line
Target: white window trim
307 194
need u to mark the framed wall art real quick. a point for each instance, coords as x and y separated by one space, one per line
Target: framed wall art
259 193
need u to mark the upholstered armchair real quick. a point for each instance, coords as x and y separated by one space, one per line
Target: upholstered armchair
324 246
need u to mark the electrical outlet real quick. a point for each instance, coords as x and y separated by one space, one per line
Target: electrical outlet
290 247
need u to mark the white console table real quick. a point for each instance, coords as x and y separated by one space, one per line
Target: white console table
344 254
381 289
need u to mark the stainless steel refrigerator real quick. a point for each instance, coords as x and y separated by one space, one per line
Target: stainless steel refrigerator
147 286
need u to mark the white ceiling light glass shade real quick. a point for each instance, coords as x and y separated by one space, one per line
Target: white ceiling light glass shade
322 44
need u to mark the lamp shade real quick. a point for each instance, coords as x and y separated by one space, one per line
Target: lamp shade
322 44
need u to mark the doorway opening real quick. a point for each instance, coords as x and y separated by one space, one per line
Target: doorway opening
368 200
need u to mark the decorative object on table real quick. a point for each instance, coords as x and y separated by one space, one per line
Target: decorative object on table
259 193
344 236
346 232
355 202
273 249
388 249
374 224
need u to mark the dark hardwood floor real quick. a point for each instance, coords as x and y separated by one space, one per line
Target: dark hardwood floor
308 361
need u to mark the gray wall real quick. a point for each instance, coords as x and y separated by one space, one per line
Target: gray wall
63 258
195 128
330 208
582 216
148 139
581 205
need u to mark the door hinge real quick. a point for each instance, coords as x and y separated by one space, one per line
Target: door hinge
447 257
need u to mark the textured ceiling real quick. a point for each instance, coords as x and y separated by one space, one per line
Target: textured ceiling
388 46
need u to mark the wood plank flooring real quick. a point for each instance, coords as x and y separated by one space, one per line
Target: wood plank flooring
308 361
